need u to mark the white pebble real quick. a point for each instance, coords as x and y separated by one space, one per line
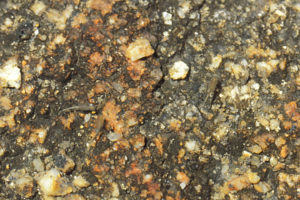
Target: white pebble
179 70
10 74
167 17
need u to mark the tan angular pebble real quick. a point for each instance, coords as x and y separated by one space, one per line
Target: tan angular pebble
279 142
275 125
138 49
64 15
264 69
80 181
262 187
5 103
255 149
38 7
215 63
179 70
253 177
10 74
38 165
52 184
191 146
278 167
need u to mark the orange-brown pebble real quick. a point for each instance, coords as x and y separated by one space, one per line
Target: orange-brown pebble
290 108
67 122
136 69
38 135
279 166
181 153
142 22
284 151
95 59
183 179
159 145
174 124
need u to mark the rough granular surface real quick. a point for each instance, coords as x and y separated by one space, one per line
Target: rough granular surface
141 99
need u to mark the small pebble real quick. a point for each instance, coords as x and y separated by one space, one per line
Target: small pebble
167 17
52 184
183 179
179 70
262 187
138 49
10 74
80 181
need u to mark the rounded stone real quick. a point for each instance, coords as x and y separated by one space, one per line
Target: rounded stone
179 70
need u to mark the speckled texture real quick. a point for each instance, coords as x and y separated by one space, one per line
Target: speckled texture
96 113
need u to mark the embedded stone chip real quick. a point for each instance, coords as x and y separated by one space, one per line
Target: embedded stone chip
52 184
10 74
138 49
179 70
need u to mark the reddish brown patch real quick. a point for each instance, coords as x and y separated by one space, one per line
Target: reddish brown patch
136 70
133 171
290 109
96 59
67 122
110 114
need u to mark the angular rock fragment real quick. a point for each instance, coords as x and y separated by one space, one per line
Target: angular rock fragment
138 49
10 74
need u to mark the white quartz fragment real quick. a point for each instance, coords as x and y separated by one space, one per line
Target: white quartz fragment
179 70
167 17
10 74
